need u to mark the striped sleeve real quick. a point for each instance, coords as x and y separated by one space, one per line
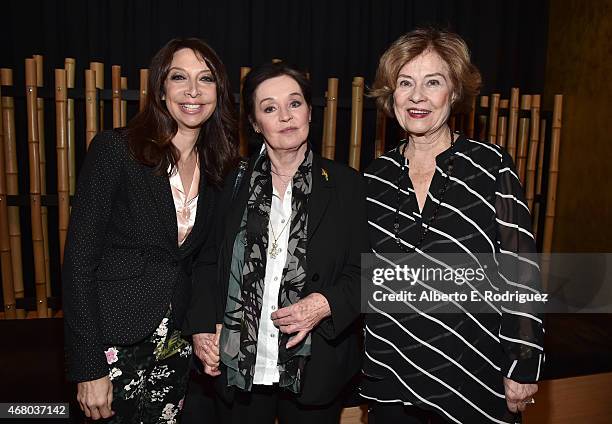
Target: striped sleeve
521 331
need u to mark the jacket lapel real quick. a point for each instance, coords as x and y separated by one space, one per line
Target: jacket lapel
162 197
322 186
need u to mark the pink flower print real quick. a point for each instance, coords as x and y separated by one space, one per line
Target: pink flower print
111 355
180 404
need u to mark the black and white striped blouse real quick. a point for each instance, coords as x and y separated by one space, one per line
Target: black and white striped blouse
454 363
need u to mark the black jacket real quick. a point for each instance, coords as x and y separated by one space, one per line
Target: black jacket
122 265
337 235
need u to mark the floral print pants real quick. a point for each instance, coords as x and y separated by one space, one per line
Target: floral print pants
150 378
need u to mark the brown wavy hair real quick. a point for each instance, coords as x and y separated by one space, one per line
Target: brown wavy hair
453 50
151 131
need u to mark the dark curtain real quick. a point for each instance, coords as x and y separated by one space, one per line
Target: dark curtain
341 38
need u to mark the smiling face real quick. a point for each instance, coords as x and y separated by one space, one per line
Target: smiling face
281 113
190 91
423 95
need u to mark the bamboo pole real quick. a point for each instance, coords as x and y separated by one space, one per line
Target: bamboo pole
513 122
70 66
6 263
116 88
381 130
91 108
63 176
533 150
483 119
35 203
98 69
40 112
12 185
501 130
144 80
540 172
356 123
493 112
124 86
553 173
331 110
244 142
523 139
502 123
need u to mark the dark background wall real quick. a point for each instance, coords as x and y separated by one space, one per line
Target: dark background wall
580 66
340 38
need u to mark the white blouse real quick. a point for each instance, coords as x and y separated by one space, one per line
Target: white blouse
185 204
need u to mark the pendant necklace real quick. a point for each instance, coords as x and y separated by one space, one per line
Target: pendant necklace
274 250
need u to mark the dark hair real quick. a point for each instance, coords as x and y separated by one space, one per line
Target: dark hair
449 46
262 73
151 131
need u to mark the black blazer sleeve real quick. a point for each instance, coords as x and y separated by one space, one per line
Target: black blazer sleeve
344 297
99 180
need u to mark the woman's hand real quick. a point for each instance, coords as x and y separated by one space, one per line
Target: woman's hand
206 347
518 395
96 397
301 317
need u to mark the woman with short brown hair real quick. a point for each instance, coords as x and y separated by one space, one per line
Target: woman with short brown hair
439 194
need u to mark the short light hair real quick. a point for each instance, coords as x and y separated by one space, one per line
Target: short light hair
453 50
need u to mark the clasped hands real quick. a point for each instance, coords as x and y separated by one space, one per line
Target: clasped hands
300 318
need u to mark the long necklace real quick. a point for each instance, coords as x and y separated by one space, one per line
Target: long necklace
432 218
274 250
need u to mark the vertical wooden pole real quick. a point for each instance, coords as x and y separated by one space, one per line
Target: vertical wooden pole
534 137
331 111
70 66
63 177
12 185
356 123
513 122
381 130
116 87
483 119
523 138
244 142
144 80
40 109
35 203
98 69
540 172
553 174
91 106
502 122
6 263
493 111
124 86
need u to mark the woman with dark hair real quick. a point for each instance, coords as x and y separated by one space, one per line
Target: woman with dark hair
143 209
440 199
289 266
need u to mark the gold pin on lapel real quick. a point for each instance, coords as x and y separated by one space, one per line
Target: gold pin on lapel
324 173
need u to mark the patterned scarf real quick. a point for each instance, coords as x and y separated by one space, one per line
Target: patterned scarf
238 343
